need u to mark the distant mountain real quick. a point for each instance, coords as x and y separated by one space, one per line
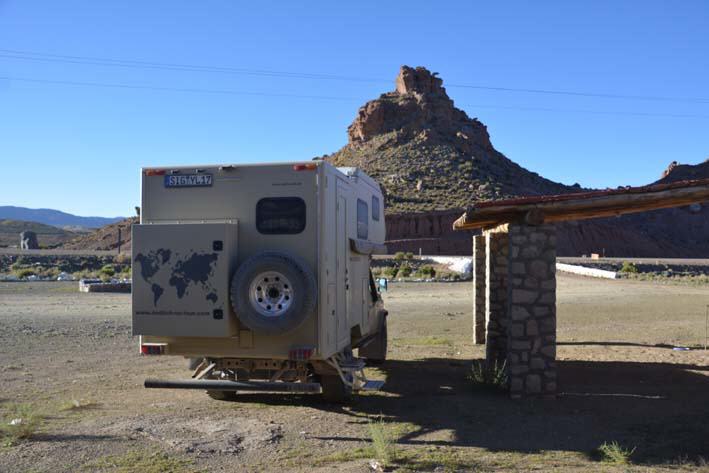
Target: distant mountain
47 235
56 218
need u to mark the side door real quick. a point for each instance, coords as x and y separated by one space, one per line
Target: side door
342 273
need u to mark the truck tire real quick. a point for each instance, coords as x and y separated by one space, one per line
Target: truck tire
273 293
375 351
334 389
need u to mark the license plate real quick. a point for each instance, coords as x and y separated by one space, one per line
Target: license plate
189 180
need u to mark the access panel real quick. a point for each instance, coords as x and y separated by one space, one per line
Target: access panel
181 279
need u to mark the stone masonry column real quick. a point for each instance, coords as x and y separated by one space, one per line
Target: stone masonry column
479 289
531 292
496 270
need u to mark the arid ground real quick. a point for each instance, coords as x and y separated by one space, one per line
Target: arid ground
68 358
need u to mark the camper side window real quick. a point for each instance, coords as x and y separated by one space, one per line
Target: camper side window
375 208
280 215
362 219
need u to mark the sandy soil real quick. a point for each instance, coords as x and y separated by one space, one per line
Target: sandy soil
620 380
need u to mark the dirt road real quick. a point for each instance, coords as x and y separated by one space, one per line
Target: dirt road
620 380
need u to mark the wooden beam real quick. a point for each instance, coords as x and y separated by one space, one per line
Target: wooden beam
596 206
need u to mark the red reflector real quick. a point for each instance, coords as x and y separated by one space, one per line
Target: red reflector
301 354
154 172
305 167
152 349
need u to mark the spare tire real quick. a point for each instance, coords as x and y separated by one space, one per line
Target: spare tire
273 293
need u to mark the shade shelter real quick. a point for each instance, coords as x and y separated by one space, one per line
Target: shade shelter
514 271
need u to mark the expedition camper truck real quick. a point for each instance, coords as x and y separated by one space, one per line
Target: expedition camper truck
259 274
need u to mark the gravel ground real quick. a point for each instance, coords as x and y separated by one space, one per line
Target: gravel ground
71 358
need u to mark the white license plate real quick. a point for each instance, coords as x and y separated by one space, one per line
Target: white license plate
188 180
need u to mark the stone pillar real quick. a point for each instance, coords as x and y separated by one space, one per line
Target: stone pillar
479 289
496 259
531 293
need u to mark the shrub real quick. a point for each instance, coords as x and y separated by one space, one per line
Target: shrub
390 271
613 453
489 375
628 267
383 442
108 270
21 422
399 256
409 255
426 271
404 271
25 272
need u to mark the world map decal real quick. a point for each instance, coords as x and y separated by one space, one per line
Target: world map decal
193 270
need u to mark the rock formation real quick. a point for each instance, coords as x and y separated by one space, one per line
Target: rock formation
432 161
28 240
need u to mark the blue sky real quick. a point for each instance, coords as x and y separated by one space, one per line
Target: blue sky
78 148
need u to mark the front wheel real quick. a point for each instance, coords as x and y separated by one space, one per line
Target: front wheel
375 352
334 389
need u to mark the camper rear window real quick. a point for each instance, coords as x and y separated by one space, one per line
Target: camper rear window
362 219
375 208
280 215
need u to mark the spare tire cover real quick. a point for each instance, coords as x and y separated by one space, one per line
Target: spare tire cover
273 292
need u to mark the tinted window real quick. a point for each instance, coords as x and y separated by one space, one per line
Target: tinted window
362 219
280 215
375 208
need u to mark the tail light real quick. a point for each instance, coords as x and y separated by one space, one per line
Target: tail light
153 349
305 167
301 353
154 172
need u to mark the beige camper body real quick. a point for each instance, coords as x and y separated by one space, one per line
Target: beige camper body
200 225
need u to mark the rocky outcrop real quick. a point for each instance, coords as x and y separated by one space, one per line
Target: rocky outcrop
429 155
28 240
105 238
433 161
419 107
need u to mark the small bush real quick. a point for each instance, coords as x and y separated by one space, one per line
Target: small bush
628 267
409 255
489 375
108 270
21 422
612 452
25 272
404 271
390 272
426 272
399 256
383 442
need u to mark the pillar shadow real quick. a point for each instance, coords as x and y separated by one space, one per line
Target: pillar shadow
659 408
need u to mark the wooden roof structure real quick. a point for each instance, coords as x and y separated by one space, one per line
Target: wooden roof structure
536 210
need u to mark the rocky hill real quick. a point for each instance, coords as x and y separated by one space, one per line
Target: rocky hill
47 235
105 238
432 161
428 155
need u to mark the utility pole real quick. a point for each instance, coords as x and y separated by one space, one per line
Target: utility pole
119 240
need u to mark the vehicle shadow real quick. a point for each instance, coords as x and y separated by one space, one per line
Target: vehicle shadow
660 408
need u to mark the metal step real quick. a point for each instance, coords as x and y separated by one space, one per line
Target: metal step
372 385
354 364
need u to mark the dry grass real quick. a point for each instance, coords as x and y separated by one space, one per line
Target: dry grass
613 452
20 422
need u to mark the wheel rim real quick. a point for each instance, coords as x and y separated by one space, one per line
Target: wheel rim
271 294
